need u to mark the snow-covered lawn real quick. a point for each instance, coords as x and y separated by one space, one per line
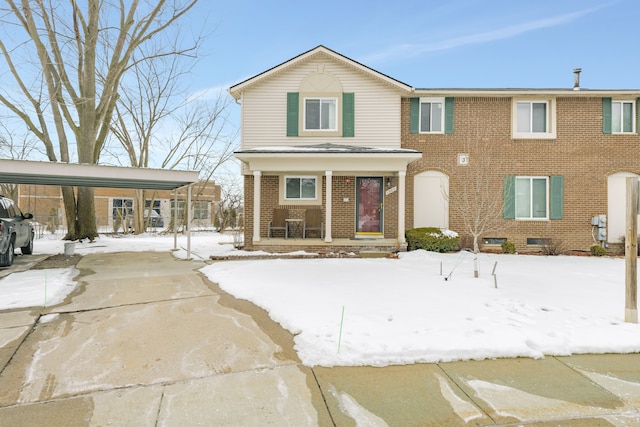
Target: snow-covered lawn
397 311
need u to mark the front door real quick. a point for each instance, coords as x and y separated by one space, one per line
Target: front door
369 201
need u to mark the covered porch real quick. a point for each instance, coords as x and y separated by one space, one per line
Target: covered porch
337 174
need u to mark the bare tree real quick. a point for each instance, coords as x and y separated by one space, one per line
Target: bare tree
156 124
67 93
14 145
229 210
479 198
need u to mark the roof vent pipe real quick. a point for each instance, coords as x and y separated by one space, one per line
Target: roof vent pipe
576 78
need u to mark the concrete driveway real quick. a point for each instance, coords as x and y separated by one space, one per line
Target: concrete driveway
147 340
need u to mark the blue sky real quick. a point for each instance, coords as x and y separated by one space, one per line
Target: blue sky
430 44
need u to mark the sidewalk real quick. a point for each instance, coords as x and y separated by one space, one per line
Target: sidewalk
146 340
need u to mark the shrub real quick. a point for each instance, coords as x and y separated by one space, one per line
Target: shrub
553 247
597 250
508 247
432 239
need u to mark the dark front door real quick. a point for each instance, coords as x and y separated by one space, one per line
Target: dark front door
369 201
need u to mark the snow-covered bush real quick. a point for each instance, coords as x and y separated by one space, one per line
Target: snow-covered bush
432 239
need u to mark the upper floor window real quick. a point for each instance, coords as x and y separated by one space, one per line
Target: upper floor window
533 119
618 116
300 188
326 116
431 115
321 114
622 114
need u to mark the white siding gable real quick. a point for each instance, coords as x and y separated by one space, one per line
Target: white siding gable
377 107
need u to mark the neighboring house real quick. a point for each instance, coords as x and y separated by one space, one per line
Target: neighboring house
114 206
378 157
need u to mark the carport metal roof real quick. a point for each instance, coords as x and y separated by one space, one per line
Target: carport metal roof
84 175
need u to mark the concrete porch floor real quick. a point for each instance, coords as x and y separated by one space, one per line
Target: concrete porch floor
355 245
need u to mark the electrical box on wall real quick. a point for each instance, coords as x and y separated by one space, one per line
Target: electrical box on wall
602 234
599 221
600 224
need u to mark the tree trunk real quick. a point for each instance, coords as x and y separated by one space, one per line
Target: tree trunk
139 225
86 227
476 250
69 201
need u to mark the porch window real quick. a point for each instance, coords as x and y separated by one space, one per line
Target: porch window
300 188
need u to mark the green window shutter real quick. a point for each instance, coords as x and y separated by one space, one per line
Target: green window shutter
556 193
448 115
348 114
292 113
414 115
638 114
509 198
606 115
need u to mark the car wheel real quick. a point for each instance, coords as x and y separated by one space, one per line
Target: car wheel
6 259
28 249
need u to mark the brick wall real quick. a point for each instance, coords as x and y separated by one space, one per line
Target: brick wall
343 212
581 153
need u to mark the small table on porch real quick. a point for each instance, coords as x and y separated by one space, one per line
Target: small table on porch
295 226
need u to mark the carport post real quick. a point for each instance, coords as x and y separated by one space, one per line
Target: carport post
189 221
175 219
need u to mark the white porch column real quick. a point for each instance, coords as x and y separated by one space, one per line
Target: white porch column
328 191
401 205
256 205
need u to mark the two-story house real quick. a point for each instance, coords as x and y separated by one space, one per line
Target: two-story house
376 157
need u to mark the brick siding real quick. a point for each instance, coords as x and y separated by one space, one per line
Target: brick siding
580 152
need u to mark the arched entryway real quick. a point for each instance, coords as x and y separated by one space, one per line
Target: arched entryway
431 200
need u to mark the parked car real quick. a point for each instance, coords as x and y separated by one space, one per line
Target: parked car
16 230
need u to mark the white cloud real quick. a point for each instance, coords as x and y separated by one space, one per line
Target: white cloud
407 50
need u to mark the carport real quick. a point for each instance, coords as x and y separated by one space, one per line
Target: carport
84 175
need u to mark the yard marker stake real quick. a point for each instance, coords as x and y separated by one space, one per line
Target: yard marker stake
340 336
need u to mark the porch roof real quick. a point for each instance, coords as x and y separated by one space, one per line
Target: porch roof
334 157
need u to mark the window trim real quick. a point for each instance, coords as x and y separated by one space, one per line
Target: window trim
432 100
550 119
197 206
547 198
299 200
337 114
633 116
